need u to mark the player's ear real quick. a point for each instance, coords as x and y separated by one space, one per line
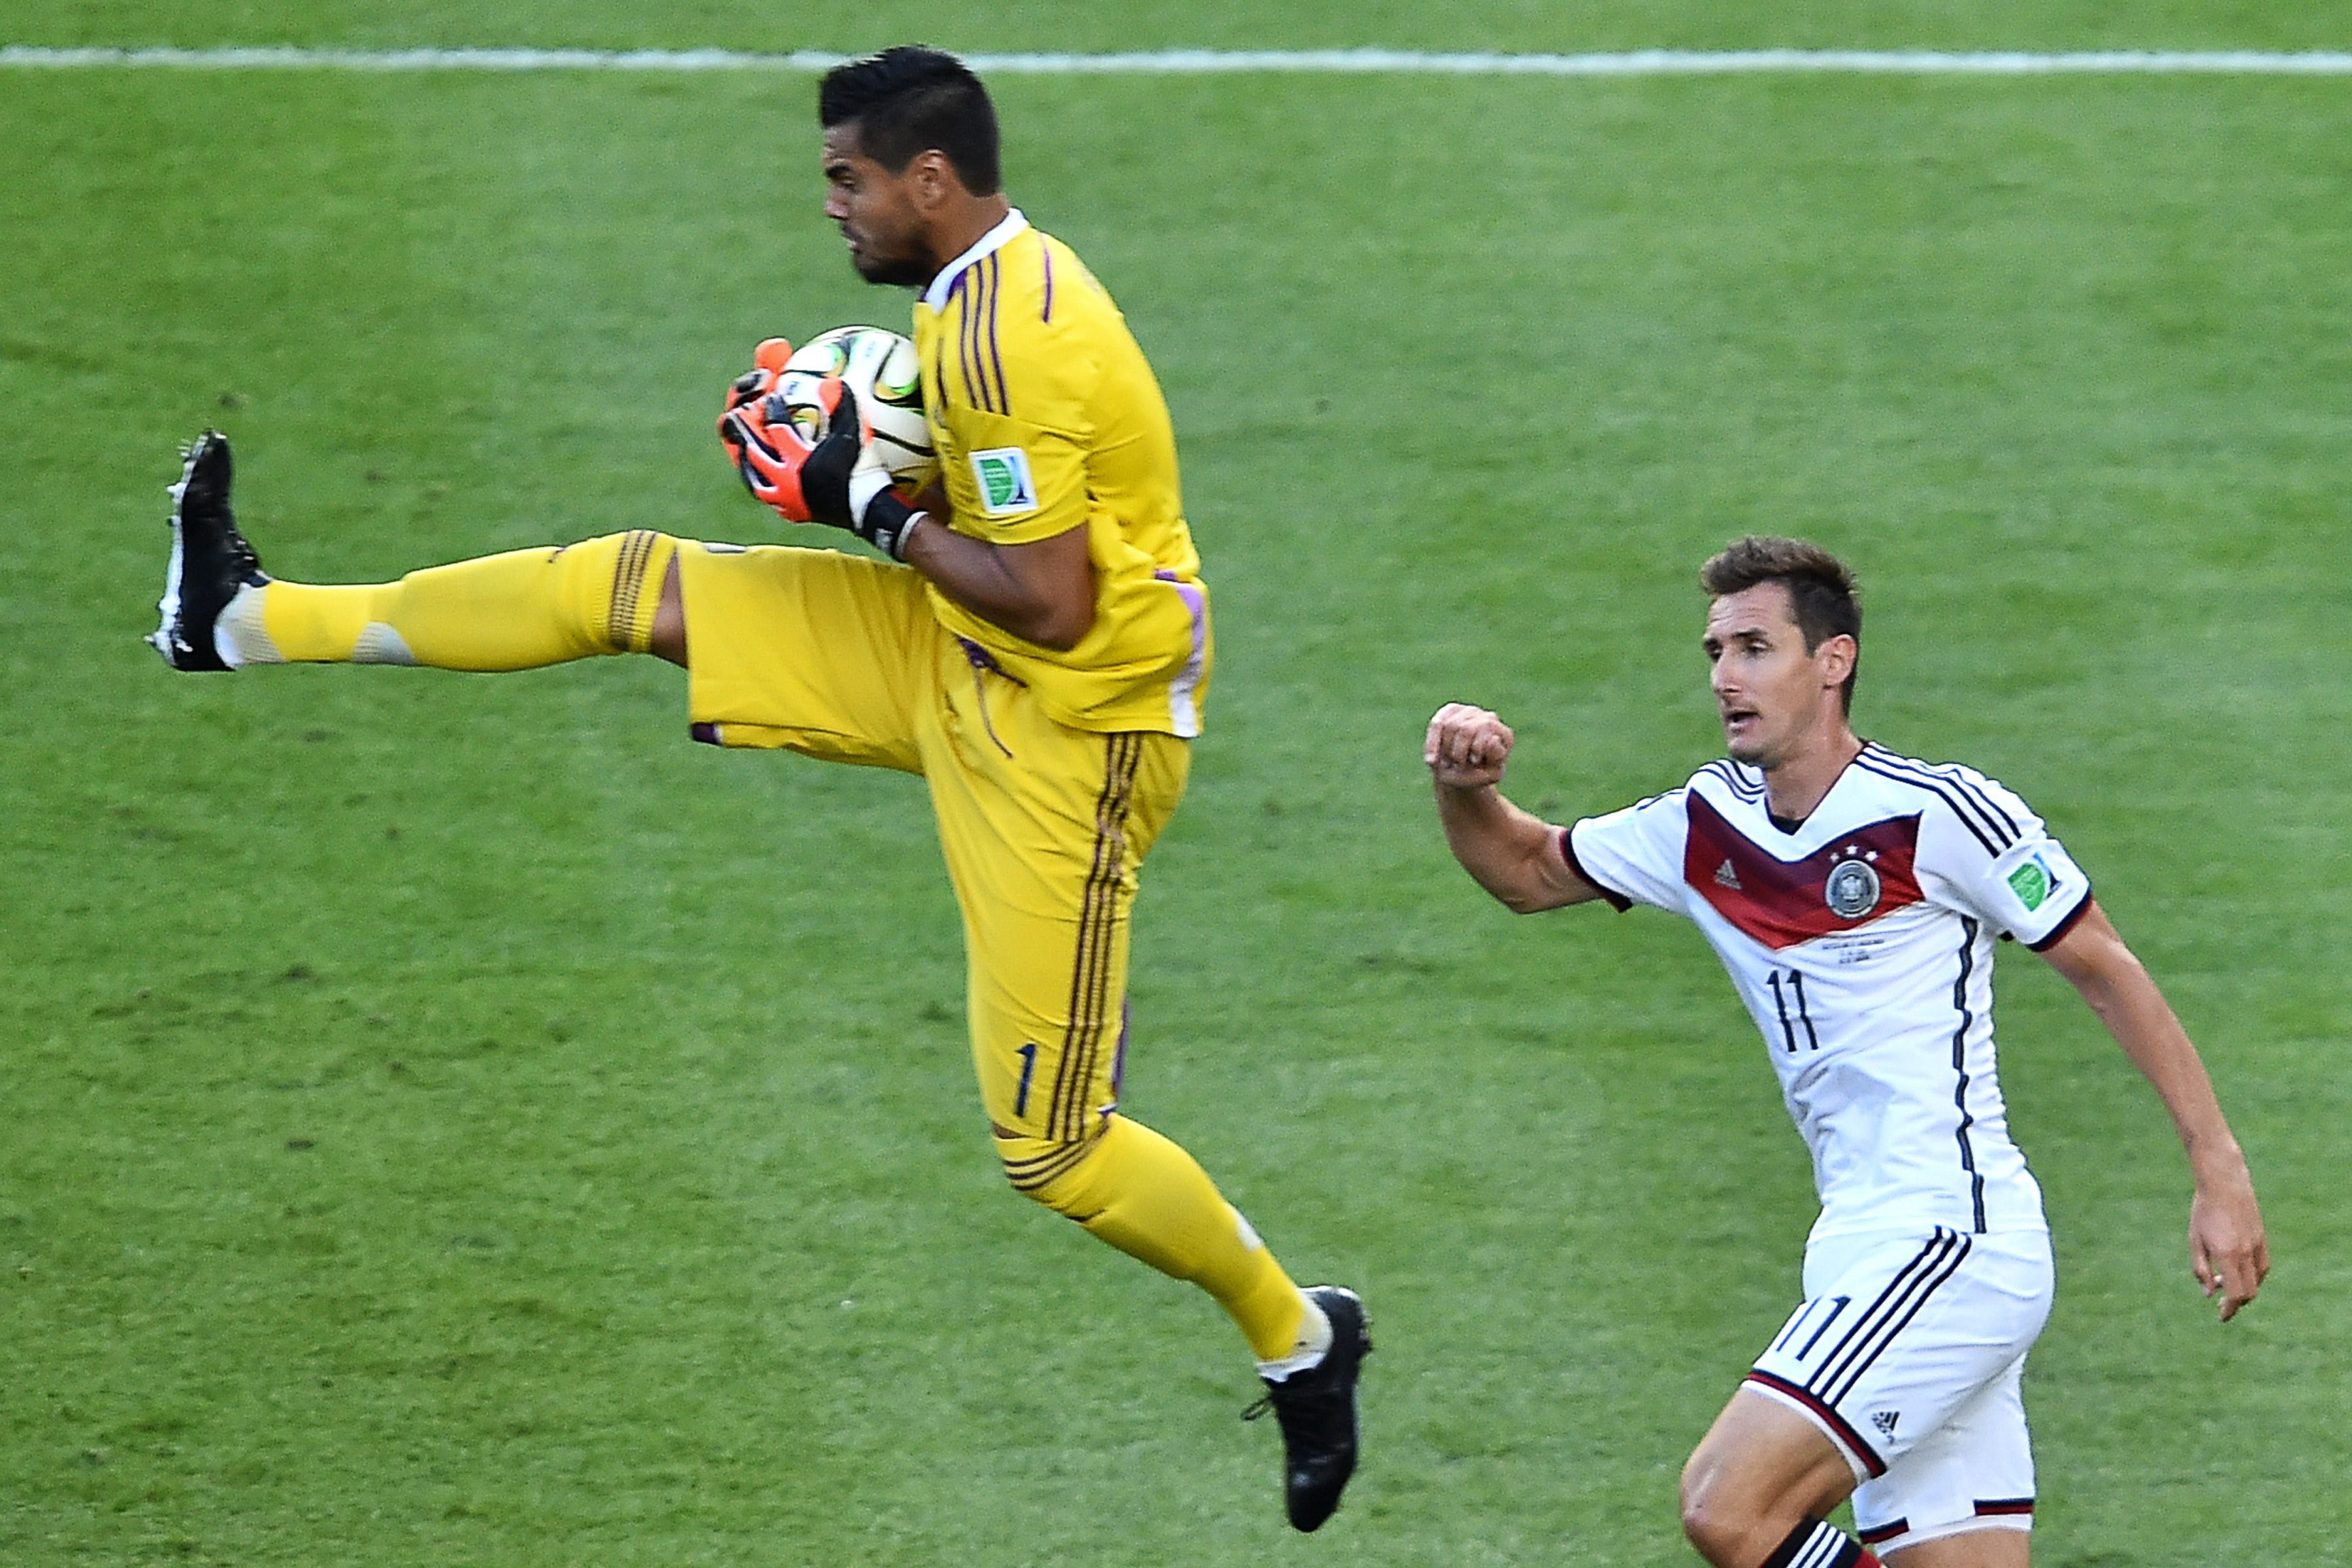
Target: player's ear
934 177
1837 656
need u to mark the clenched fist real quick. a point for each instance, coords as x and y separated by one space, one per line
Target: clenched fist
1466 747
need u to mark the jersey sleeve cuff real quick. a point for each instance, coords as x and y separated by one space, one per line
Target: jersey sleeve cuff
2066 924
1617 900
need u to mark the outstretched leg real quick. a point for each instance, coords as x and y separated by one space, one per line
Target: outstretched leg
520 610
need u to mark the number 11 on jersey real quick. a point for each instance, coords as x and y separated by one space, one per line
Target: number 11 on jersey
1789 990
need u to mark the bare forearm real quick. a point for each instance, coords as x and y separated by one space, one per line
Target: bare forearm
980 577
2143 1025
1505 851
2227 1248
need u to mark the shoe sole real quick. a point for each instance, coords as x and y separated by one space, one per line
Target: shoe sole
162 639
176 632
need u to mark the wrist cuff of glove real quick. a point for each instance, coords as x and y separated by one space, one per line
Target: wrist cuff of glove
885 522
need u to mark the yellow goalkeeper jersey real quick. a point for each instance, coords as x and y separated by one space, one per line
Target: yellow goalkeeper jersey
1046 416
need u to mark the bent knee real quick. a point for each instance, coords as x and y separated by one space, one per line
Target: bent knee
1047 1170
613 588
1718 1521
1713 1530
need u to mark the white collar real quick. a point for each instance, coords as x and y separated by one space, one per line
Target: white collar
936 296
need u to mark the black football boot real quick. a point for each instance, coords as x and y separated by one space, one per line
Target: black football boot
1316 1408
210 559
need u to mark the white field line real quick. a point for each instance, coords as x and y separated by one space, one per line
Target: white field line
1218 62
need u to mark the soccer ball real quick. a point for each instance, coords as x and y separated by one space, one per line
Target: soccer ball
881 367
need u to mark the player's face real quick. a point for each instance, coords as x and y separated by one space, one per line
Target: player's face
1769 691
877 212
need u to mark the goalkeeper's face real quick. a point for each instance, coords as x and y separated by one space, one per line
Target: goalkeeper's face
881 214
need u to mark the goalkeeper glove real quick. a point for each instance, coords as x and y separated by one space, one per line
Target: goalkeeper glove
768 457
836 480
769 460
767 362
843 483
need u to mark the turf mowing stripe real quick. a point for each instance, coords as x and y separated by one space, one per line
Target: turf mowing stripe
1216 62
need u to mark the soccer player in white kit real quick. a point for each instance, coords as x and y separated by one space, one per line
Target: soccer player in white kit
1856 897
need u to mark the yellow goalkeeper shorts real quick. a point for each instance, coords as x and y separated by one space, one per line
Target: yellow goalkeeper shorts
838 656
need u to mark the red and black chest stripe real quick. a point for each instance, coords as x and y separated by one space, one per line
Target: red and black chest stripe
1857 878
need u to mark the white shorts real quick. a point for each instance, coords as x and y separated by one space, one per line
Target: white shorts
1907 1354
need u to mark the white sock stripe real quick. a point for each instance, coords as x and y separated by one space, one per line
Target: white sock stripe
1823 1549
1227 62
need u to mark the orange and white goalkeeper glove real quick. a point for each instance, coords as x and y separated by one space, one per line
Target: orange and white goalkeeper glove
768 456
837 480
767 362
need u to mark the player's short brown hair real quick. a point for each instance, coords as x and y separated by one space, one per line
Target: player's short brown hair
1823 594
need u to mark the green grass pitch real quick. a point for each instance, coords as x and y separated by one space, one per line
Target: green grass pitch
453 1120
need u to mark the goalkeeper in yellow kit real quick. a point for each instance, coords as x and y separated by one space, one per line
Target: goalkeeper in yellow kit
1037 649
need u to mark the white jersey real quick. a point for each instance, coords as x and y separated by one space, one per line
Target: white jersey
1863 942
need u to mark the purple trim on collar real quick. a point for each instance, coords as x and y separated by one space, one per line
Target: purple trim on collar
1047 252
935 294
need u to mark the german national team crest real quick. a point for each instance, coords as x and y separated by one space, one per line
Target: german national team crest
1852 890
1864 874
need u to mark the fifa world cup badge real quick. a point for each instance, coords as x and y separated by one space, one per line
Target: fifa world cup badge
1001 476
1852 890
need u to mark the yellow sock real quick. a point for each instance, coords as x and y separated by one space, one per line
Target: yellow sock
517 611
1147 1197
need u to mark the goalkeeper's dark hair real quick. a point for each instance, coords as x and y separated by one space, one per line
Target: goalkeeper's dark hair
911 100
1823 594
